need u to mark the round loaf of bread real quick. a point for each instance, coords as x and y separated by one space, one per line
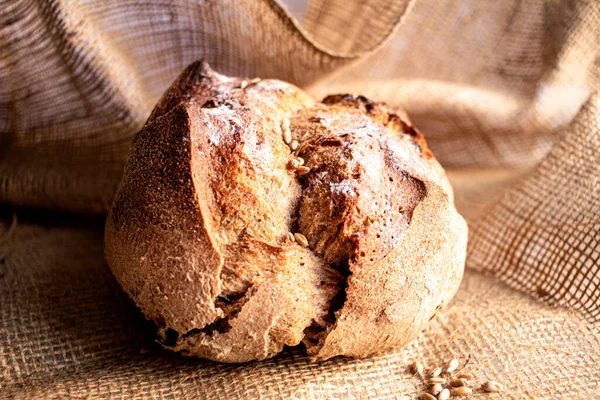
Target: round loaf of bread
251 217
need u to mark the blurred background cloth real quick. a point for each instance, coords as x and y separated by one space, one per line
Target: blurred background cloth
506 93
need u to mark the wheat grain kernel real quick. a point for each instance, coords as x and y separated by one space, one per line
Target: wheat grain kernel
466 376
427 396
436 389
243 84
416 368
302 170
444 395
461 391
459 382
436 379
294 145
436 372
287 135
290 237
492 387
301 239
452 365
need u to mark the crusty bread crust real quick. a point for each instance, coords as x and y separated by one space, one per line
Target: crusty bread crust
199 232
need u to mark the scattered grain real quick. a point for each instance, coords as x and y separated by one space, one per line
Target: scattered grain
436 372
444 395
416 368
290 237
302 170
300 160
285 124
492 387
436 389
287 135
294 163
461 391
436 379
294 145
466 376
301 239
452 365
427 396
243 84
459 382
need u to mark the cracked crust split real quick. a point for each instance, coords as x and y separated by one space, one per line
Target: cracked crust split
226 170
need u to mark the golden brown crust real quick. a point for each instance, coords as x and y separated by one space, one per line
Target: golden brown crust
199 233
158 230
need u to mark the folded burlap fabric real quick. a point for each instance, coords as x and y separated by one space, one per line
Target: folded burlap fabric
506 93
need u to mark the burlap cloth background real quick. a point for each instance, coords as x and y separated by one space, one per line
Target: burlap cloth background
505 91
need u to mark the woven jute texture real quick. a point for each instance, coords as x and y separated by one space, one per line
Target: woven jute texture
68 330
505 91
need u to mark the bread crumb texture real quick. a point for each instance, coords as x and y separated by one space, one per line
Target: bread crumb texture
235 251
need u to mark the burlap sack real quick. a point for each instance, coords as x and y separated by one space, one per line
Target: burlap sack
503 90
